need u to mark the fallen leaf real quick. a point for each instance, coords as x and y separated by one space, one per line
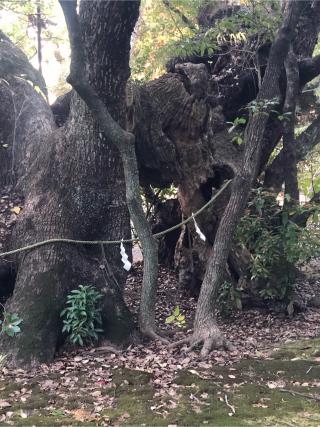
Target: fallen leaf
16 210
23 414
4 404
260 405
82 415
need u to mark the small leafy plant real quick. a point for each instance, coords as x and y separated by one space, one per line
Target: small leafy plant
176 318
58 412
263 107
9 325
82 316
236 124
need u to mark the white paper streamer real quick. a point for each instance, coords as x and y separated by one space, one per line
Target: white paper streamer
198 231
124 258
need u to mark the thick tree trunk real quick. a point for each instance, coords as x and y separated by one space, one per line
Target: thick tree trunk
76 190
25 119
124 142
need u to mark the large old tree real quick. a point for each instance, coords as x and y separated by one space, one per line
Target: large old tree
74 188
72 179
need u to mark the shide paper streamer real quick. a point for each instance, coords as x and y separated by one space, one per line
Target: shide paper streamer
198 231
124 258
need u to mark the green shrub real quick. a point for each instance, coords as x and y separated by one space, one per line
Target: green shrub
82 316
276 244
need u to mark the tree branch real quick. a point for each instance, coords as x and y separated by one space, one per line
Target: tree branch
306 141
309 68
178 12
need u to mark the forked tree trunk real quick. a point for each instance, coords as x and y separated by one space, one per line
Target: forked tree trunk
76 190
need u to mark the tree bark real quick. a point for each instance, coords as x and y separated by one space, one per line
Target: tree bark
306 141
75 189
289 142
205 327
124 141
25 119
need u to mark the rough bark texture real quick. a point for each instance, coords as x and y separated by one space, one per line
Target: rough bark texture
166 214
289 142
76 190
25 119
205 328
274 176
182 136
25 116
124 142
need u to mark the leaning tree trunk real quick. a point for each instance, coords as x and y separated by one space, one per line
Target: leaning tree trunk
75 189
20 105
206 330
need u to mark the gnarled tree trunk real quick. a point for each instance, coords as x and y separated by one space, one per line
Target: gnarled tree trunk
180 121
76 190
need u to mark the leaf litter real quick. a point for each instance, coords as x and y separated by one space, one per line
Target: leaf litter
86 377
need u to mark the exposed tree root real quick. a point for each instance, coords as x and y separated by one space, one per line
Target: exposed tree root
154 336
180 342
209 338
108 348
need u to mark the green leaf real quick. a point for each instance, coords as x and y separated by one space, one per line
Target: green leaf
176 311
169 319
57 413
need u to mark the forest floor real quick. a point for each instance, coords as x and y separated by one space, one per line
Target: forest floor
272 378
